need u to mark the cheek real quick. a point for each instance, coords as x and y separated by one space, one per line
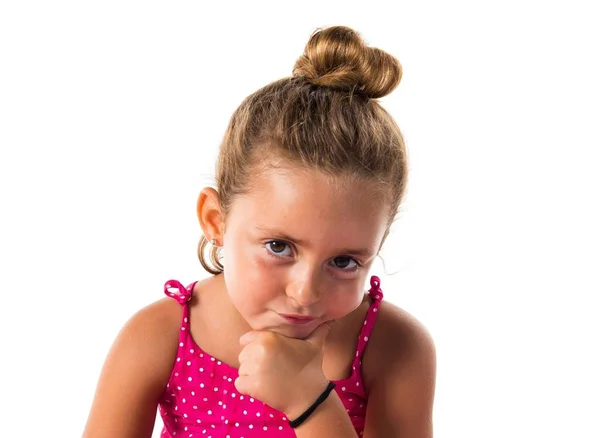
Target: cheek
341 304
250 279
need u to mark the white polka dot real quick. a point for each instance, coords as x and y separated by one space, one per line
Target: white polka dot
224 391
229 379
280 427
193 393
198 421
245 412
264 427
357 383
184 415
218 362
192 351
377 296
224 406
365 323
241 397
251 426
216 389
251 399
349 399
366 338
343 388
220 403
176 374
204 399
181 344
183 400
222 418
201 370
179 388
375 309
182 328
271 415
201 355
189 379
202 385
185 428
188 363
258 414
233 394
195 407
209 412
237 424
212 359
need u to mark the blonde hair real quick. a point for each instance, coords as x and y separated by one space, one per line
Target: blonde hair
324 117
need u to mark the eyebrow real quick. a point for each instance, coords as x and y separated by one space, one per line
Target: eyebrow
361 252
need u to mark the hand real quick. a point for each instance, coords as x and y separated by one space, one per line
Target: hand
285 373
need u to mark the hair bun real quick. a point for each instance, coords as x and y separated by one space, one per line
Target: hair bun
338 57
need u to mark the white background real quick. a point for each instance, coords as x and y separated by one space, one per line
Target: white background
110 117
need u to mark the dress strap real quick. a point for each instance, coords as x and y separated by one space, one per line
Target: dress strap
377 295
182 295
178 291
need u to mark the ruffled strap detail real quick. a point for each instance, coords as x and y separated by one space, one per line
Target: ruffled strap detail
377 295
178 291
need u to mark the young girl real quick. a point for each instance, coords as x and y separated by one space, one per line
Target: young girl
282 340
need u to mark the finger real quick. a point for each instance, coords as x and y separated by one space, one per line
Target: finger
244 355
318 336
242 384
243 370
248 337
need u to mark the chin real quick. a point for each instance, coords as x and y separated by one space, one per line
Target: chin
294 332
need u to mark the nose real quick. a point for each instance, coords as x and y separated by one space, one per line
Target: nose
304 289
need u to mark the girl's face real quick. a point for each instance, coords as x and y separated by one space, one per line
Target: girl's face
301 243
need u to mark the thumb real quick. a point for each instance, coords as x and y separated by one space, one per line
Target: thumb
318 336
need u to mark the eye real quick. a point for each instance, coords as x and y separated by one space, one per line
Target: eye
277 248
345 263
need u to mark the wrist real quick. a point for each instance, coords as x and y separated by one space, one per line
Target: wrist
329 420
304 400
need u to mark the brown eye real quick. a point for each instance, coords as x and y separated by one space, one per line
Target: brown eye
278 248
346 263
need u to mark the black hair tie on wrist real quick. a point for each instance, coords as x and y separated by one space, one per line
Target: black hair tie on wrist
298 421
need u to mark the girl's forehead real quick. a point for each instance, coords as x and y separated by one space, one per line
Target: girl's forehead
312 202
310 188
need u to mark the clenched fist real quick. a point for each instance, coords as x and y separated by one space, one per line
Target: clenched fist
285 373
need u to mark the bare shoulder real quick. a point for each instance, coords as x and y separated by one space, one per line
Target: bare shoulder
135 373
398 338
400 362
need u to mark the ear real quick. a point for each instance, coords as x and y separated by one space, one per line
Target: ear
209 214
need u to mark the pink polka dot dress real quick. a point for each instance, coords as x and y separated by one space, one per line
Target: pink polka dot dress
201 400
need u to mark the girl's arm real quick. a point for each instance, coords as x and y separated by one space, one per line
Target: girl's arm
402 362
135 374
